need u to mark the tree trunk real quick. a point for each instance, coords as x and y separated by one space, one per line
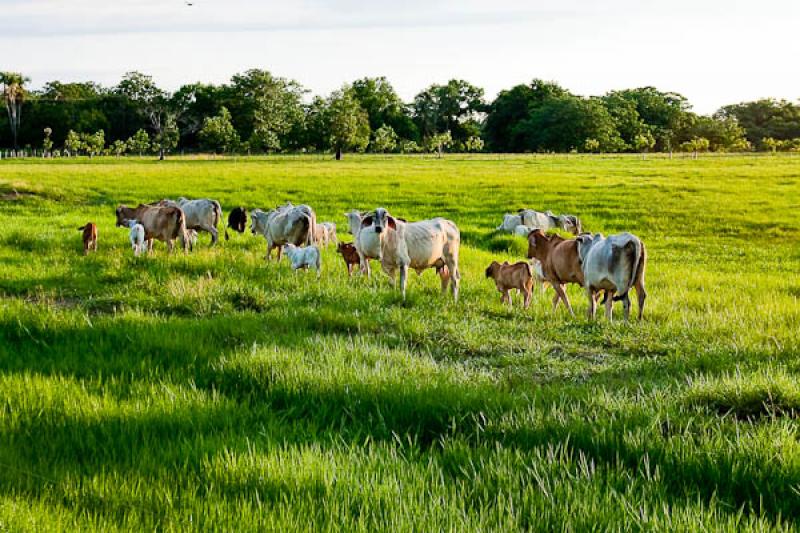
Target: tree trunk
338 154
161 154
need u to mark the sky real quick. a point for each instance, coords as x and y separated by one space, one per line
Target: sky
714 52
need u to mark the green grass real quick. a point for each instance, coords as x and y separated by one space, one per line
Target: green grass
215 391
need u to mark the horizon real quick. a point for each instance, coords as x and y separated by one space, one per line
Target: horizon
587 49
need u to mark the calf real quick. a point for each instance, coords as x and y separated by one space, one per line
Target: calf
560 262
306 257
137 237
89 237
349 254
509 277
237 220
162 223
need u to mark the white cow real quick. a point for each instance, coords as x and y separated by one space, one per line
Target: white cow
523 231
614 264
137 237
420 245
367 243
330 229
533 219
306 257
287 224
510 222
201 215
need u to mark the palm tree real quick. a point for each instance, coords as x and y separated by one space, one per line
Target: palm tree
14 95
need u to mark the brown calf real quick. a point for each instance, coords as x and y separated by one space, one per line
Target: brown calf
509 277
349 254
89 237
162 223
560 262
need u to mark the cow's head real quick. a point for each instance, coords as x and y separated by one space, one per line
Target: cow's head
571 224
491 269
120 216
256 221
538 244
381 220
585 241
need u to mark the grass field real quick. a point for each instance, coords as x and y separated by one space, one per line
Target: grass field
215 391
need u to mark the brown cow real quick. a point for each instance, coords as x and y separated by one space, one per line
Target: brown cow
349 254
560 262
89 237
162 223
509 277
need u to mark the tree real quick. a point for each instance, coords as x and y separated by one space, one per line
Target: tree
455 107
766 118
166 138
695 145
347 123
644 142
94 143
384 139
119 147
73 143
14 94
591 145
563 125
769 144
474 144
47 143
439 142
665 114
265 108
218 133
723 133
383 106
139 142
513 106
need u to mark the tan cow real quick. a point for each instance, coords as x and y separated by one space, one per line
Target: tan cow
162 223
560 262
509 277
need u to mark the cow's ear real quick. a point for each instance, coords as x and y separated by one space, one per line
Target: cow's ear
391 222
366 221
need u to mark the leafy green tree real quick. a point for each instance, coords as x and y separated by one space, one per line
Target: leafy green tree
410 147
644 142
591 145
513 106
723 133
769 144
73 143
119 147
218 133
347 123
666 115
439 142
384 139
455 107
766 118
383 106
138 143
695 145
474 144
14 94
94 143
167 136
563 125
47 143
265 108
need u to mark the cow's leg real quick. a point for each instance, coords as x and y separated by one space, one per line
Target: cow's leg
170 245
214 235
556 298
609 301
444 275
626 307
592 303
528 291
641 295
563 295
403 280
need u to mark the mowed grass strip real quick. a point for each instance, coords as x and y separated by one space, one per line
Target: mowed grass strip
216 391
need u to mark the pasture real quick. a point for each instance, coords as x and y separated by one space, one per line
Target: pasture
216 391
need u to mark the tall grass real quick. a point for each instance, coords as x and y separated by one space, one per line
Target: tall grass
216 391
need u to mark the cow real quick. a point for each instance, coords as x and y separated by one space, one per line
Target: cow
507 277
164 223
614 264
287 224
237 220
89 237
537 220
559 260
330 232
137 237
368 244
522 230
419 245
303 258
203 214
349 254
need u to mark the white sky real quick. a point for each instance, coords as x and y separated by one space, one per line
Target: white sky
715 52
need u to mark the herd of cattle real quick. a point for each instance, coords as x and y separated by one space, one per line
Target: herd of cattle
611 265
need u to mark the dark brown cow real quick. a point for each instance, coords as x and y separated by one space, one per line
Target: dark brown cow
89 237
237 220
349 254
162 223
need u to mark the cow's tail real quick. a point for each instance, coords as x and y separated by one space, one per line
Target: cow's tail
218 217
530 270
636 248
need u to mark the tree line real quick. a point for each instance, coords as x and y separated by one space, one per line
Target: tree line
257 112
